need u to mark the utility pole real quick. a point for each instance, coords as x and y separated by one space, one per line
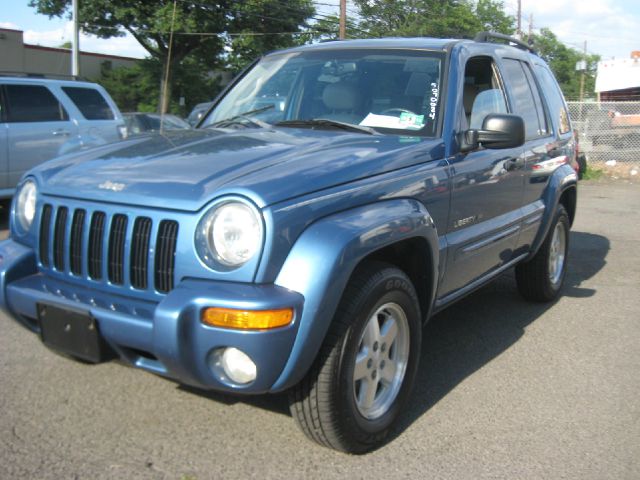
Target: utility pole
519 29
343 19
530 26
75 44
584 71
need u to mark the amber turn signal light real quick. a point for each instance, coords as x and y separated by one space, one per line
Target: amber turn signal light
246 319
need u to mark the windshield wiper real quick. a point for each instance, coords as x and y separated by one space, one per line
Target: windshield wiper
244 116
326 123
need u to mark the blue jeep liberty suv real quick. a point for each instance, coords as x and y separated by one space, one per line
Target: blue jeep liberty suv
333 198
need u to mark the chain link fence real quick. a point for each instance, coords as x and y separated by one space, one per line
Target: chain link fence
609 134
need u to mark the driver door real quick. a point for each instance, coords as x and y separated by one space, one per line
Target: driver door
487 187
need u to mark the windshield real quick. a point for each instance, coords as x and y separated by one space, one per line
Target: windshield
392 91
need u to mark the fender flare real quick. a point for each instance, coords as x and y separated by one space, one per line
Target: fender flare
563 179
324 257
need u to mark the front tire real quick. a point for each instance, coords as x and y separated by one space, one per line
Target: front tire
365 369
541 278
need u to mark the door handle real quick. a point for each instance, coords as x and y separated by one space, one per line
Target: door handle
61 133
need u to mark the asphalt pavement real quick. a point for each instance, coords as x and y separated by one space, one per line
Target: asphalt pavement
506 390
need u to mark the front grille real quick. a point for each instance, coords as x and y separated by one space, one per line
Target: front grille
76 241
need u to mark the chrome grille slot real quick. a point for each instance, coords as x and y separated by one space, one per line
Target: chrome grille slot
45 228
117 238
75 242
165 255
59 237
96 240
140 252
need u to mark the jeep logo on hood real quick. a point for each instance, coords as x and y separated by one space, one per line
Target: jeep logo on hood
113 186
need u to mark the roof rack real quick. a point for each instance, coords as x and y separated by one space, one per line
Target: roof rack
489 36
51 76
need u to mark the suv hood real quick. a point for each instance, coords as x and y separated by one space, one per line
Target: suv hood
185 170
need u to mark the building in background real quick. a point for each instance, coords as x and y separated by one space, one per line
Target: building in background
618 80
17 57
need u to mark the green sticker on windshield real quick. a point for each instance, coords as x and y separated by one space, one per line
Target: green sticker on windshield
411 121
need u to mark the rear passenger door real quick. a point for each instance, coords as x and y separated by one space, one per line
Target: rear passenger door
100 119
38 125
4 149
540 155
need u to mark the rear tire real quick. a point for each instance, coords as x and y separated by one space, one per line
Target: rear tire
364 372
541 278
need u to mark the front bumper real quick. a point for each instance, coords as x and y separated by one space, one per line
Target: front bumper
164 337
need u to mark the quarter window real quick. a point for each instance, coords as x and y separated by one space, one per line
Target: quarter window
33 103
90 102
555 100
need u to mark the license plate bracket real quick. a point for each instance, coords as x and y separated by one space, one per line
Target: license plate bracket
72 332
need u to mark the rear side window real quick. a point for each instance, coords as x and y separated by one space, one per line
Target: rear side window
32 103
90 102
555 100
526 98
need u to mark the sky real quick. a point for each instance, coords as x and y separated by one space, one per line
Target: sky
610 27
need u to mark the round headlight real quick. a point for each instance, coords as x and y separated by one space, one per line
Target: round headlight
26 204
231 234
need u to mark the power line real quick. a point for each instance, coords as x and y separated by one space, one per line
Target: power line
213 34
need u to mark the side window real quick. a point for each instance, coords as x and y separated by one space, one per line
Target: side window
527 101
555 99
90 102
33 103
483 93
3 109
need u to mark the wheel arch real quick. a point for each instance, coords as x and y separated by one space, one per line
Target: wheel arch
414 257
562 190
326 255
569 199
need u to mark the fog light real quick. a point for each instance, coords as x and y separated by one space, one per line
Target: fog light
236 365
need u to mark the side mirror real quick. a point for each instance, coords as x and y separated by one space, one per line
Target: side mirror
499 130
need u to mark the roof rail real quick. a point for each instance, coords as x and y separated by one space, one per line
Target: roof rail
488 36
52 76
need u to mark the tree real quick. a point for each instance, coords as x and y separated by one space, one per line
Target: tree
562 61
492 17
434 18
263 26
200 28
327 28
136 89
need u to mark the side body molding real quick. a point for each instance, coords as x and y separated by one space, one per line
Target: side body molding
326 254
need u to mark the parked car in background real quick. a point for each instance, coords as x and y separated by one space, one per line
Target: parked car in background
139 122
580 163
335 198
198 112
614 128
43 118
